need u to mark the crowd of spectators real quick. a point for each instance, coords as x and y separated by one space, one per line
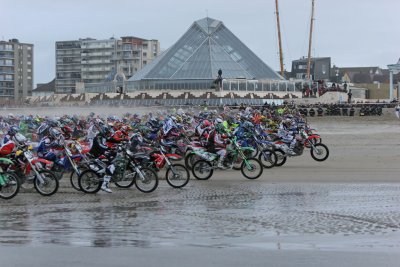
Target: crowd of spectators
318 88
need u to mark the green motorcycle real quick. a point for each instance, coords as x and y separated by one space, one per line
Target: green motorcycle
237 158
9 182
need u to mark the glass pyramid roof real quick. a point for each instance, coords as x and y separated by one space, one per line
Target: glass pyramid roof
206 47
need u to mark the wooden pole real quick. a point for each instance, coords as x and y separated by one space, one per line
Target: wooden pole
279 38
310 41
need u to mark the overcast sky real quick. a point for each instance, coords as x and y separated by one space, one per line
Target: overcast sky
352 32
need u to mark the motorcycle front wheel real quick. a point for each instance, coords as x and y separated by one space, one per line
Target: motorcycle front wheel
148 182
49 185
268 158
280 158
74 179
177 176
251 168
128 180
319 152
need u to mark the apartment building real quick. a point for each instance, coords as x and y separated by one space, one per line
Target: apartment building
134 53
97 59
94 61
68 66
16 70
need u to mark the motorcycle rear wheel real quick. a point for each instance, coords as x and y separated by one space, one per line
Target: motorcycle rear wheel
202 170
89 182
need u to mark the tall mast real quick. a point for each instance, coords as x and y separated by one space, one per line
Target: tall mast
309 44
279 38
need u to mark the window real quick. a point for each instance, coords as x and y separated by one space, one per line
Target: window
302 67
127 47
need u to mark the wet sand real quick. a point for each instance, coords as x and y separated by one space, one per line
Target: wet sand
340 212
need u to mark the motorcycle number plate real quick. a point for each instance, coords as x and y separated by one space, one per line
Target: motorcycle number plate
28 155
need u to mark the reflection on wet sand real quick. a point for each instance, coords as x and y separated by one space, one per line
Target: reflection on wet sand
203 216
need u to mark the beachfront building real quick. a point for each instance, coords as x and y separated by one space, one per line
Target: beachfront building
134 53
97 59
208 64
16 70
68 66
90 61
194 61
320 68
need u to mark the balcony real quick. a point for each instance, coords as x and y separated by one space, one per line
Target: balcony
7 72
68 46
97 46
6 79
6 56
87 62
93 76
97 54
6 49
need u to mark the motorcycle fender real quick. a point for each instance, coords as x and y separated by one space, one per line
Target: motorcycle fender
6 161
173 156
44 161
314 136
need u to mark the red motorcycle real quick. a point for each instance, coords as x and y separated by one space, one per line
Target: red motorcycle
319 151
176 175
29 169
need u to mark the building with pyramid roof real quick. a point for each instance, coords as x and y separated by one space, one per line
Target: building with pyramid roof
194 60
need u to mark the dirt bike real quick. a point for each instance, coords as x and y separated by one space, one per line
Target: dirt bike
176 175
319 151
251 168
9 182
191 156
129 170
264 149
29 170
77 160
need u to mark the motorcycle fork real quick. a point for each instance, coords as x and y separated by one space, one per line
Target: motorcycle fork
3 180
38 175
139 172
74 165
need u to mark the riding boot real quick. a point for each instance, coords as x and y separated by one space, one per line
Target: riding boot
220 163
291 147
105 186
